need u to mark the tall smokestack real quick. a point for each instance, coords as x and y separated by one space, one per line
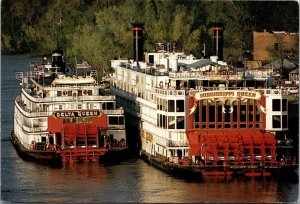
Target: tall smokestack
218 29
138 39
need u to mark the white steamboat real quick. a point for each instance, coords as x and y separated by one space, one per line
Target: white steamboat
201 115
66 117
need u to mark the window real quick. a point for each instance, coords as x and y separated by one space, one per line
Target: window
257 116
108 106
284 104
212 113
60 107
171 122
151 59
121 120
180 122
113 120
235 112
196 115
160 120
251 111
276 104
220 113
243 113
79 106
203 112
180 106
171 106
160 104
276 121
69 93
58 93
165 122
284 121
165 102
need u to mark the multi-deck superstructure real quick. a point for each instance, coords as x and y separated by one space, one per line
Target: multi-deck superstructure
202 115
66 116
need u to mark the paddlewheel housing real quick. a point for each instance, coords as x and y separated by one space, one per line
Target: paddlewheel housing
85 141
233 147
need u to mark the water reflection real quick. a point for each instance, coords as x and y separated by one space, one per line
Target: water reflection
132 180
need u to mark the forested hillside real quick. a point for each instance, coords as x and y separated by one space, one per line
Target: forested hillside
99 30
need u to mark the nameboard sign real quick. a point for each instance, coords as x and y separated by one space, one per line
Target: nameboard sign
228 94
76 113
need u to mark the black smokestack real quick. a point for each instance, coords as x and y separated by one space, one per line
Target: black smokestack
58 61
138 41
218 29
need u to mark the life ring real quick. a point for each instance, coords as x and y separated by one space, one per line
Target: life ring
85 92
65 93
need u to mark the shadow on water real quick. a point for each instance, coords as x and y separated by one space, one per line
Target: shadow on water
59 164
55 164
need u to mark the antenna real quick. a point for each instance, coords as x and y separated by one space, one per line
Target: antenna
59 30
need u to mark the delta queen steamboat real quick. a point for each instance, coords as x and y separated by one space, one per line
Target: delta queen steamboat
199 116
65 117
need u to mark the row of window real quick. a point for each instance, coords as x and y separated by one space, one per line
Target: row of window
112 120
279 105
214 112
116 120
170 122
170 105
276 121
105 106
226 125
78 92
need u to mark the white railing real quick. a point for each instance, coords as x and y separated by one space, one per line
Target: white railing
273 91
68 98
113 112
34 129
171 143
204 75
170 92
21 75
29 113
173 92
212 75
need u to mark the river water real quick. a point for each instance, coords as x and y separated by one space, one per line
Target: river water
131 180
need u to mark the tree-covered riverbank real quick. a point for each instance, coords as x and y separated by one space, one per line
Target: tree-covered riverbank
100 30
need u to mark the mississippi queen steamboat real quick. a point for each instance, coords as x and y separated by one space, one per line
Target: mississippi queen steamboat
65 117
201 116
